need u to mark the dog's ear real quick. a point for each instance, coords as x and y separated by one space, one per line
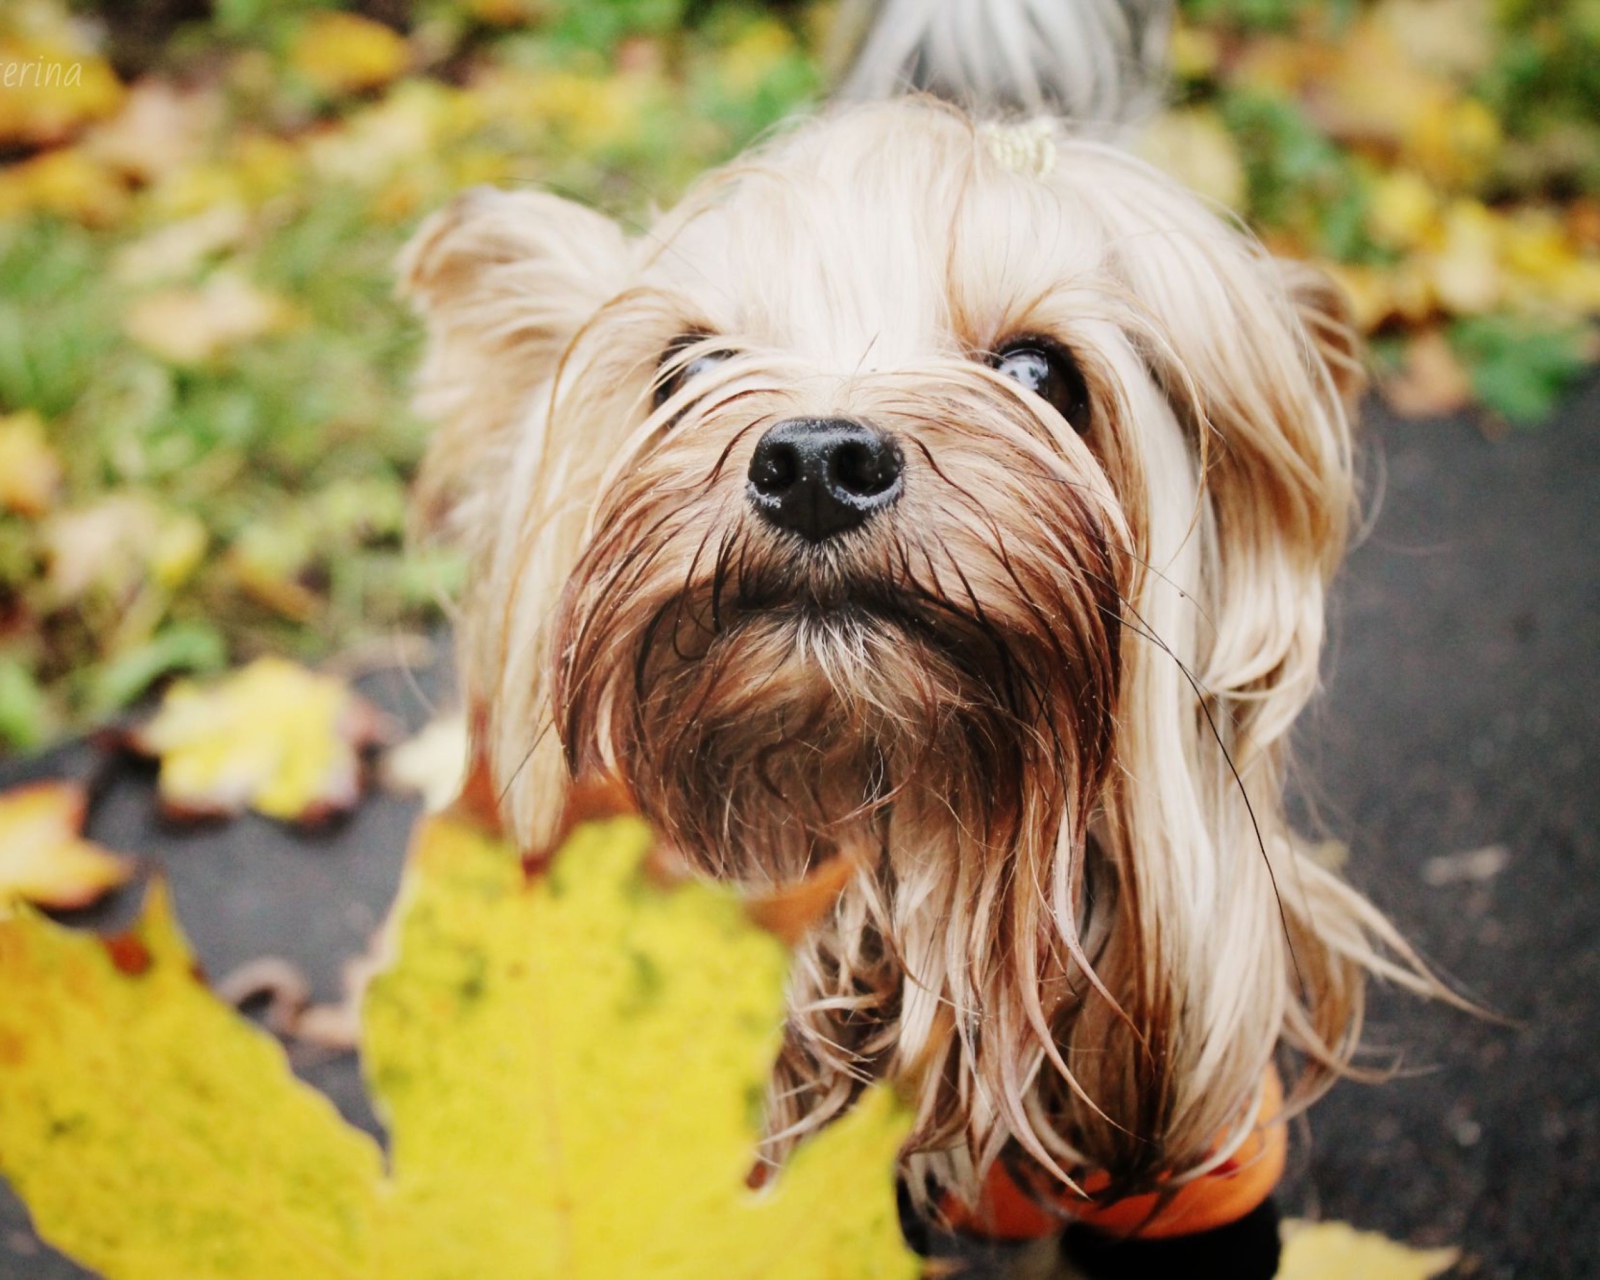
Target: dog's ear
504 281
1258 367
1259 360
1281 473
1325 313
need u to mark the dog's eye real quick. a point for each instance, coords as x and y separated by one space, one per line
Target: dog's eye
674 372
1050 373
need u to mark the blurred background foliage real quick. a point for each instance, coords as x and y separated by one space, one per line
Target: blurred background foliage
204 439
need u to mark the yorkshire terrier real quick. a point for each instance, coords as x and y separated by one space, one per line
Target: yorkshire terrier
959 498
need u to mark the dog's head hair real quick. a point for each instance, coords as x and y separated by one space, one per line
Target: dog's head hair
1041 697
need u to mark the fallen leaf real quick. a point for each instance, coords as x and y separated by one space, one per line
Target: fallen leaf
1470 866
1454 140
1466 271
177 249
1367 289
258 169
1403 210
30 471
66 182
273 737
1195 147
156 1134
433 764
44 859
747 61
159 129
503 13
343 53
1194 51
1456 37
1368 89
118 545
192 326
1583 222
590 113
568 1069
1337 1251
408 129
1431 381
280 982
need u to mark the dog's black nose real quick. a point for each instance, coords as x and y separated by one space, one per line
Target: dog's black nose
821 476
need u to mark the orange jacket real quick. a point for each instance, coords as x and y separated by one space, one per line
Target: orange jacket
1005 1211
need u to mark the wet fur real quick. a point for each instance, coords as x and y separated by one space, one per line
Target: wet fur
1043 702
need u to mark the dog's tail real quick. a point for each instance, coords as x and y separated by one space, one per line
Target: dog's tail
1095 62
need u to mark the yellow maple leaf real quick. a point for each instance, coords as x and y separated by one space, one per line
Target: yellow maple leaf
346 53
1546 268
30 471
43 859
155 1134
1337 1251
274 737
570 1068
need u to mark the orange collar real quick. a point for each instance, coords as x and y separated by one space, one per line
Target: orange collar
1006 1211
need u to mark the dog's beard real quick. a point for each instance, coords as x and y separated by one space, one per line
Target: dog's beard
932 697
771 701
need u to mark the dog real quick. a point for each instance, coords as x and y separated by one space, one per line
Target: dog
943 489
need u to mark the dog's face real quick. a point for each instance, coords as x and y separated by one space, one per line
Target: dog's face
857 554
969 519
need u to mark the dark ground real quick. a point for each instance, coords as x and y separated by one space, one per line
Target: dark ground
1463 682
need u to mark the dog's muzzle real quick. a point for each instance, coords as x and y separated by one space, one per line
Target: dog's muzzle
819 477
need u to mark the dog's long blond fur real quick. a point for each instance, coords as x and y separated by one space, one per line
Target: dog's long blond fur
1043 700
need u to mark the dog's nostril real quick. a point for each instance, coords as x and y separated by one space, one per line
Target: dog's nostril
817 477
774 469
866 469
